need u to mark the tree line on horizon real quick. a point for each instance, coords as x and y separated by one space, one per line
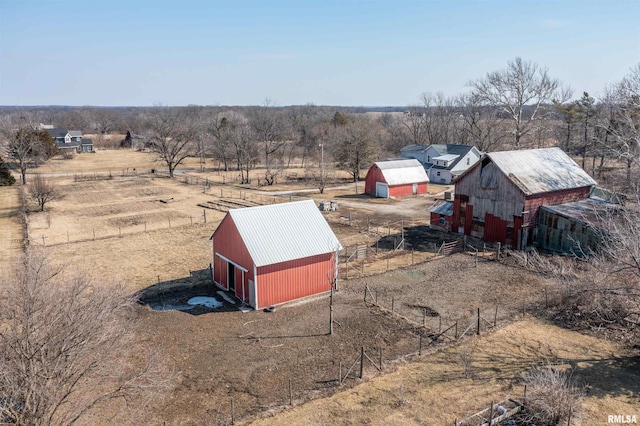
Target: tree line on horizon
520 106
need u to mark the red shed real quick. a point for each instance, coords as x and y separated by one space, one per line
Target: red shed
499 197
396 178
273 254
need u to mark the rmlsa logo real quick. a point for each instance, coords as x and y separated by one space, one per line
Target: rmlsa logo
622 419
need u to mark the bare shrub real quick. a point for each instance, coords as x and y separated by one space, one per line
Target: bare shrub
67 154
41 191
68 349
466 359
551 398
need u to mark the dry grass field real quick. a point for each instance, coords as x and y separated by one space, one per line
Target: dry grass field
436 389
250 357
11 236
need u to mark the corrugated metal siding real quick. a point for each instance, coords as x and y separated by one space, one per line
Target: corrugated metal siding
406 190
565 235
536 171
228 243
294 279
373 175
281 232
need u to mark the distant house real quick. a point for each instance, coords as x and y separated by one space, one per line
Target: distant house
396 178
273 254
69 139
499 198
443 162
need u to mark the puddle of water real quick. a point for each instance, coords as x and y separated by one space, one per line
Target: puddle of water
208 302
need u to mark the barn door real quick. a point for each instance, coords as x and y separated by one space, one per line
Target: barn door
382 190
231 276
415 188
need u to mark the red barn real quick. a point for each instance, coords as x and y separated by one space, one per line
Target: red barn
396 178
273 254
499 197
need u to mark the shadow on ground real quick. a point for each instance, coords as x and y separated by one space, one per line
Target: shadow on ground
194 295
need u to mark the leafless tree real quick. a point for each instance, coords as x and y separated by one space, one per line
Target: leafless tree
238 134
521 91
354 145
269 128
622 129
27 147
171 135
42 191
483 125
68 349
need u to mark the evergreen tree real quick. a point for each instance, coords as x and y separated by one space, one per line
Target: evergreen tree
6 178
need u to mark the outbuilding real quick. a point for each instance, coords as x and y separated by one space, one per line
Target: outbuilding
396 178
498 198
268 255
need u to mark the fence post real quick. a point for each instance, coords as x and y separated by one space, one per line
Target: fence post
204 214
478 328
361 361
233 412
424 317
491 414
456 335
290 393
495 317
393 299
412 250
43 241
380 357
367 223
349 218
340 373
420 345
362 266
388 255
145 227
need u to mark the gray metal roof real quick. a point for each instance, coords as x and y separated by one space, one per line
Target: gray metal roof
281 232
536 171
75 133
402 172
442 207
593 211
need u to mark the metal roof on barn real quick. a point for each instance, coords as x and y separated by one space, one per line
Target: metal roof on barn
443 207
593 211
537 171
402 172
281 232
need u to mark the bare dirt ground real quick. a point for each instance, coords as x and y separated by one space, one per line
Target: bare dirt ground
220 355
251 356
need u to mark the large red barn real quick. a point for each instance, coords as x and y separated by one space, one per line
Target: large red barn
499 197
273 254
396 178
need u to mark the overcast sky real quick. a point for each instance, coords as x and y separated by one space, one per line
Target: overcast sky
325 52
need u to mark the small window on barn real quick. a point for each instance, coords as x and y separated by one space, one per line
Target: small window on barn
442 219
468 160
438 173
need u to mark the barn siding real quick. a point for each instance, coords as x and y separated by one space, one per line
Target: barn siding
294 279
374 175
406 190
501 211
533 202
447 223
228 243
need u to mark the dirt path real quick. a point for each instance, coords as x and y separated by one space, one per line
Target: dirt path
437 389
10 228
